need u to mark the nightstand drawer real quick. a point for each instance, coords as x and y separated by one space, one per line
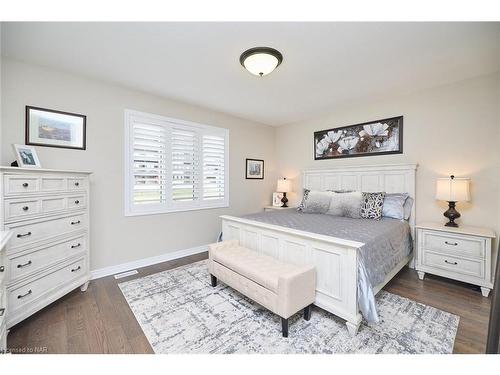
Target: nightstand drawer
454 264
456 245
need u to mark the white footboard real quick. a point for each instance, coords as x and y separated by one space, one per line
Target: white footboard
335 260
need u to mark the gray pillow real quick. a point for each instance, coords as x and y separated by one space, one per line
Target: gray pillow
371 205
407 207
345 204
317 202
394 205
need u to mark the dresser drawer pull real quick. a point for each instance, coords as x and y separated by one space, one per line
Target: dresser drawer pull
77 202
451 243
28 263
25 184
75 222
76 269
2 311
2 268
26 208
75 246
24 235
25 294
77 184
454 263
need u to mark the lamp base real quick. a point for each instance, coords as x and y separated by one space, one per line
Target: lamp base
284 200
452 214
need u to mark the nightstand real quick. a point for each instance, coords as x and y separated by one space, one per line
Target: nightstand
274 208
462 253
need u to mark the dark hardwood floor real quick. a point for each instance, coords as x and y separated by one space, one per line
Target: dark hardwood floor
100 321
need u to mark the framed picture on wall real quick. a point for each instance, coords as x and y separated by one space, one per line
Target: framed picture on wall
51 128
379 137
254 169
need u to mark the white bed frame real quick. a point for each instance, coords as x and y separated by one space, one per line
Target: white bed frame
335 259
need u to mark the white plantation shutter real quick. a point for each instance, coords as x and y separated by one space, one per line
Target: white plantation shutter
185 164
149 168
213 167
173 165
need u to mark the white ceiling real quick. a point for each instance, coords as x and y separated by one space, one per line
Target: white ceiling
325 64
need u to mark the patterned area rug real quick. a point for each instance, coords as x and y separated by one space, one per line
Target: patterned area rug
180 312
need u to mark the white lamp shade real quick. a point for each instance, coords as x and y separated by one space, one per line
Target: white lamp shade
453 189
284 186
261 64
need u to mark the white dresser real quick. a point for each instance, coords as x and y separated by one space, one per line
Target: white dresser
4 239
463 253
47 212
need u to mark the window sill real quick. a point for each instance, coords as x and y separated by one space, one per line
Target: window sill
174 210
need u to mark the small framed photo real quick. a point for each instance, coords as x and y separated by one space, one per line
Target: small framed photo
50 128
277 199
254 169
26 156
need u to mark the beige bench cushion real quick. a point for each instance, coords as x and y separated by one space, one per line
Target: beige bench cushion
262 269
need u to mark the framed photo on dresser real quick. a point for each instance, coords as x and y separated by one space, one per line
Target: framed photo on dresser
51 128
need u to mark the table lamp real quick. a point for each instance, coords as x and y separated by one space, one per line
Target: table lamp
284 186
452 190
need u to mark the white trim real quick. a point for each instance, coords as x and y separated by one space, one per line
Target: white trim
144 262
170 206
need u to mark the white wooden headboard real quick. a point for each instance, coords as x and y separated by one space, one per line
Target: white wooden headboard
391 178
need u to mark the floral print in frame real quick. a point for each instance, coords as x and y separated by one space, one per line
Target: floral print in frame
380 137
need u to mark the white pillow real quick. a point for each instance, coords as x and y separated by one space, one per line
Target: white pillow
317 202
346 204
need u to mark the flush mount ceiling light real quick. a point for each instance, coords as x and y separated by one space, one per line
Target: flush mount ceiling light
261 61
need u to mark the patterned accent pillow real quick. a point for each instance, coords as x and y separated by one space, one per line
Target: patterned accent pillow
345 204
371 205
302 204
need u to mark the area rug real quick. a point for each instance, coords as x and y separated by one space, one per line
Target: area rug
180 312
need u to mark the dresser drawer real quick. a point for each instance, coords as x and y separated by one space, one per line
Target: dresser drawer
14 184
76 202
454 264
45 229
21 297
3 338
77 183
19 208
469 247
26 264
53 184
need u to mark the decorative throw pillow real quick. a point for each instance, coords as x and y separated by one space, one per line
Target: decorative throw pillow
407 208
304 199
394 205
317 202
371 205
345 204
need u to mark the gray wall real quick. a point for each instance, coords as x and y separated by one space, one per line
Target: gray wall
115 238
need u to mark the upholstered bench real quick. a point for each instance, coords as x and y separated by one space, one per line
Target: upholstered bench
282 288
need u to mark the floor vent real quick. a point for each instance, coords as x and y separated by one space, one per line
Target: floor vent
125 274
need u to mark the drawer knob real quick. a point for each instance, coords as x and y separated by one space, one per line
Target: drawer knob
77 184
28 263
75 246
77 202
2 311
76 269
24 235
2 268
25 294
454 263
451 243
26 208
75 222
25 184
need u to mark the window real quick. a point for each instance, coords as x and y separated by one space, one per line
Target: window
173 165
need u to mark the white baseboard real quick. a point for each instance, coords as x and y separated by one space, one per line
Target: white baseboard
106 271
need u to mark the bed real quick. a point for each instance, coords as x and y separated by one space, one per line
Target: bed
341 249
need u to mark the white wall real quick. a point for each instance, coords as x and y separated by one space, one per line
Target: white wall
115 238
453 129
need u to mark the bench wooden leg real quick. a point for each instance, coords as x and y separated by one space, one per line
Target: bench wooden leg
213 280
307 312
284 327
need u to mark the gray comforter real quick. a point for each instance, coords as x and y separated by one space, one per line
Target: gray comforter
386 243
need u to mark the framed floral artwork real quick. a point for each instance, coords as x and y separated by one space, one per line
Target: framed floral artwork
379 137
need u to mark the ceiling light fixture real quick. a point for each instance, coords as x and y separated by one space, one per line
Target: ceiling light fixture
261 61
